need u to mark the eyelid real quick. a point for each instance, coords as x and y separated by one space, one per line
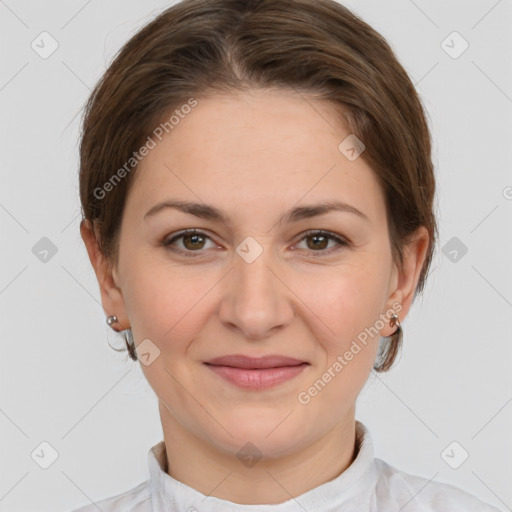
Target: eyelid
310 232
168 240
339 239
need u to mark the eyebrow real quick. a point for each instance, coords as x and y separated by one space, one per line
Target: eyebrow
209 212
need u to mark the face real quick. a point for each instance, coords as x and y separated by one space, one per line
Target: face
258 282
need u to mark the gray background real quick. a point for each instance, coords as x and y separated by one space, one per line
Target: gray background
60 381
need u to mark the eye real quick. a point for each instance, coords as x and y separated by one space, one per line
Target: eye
193 241
319 241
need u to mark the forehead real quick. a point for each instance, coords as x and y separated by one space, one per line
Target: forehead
262 149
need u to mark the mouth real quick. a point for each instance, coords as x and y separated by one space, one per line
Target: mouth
256 372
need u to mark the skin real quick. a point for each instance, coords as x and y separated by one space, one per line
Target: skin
255 155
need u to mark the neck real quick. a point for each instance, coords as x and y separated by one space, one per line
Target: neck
214 472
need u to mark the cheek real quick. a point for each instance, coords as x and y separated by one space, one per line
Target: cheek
349 302
168 303
347 299
155 299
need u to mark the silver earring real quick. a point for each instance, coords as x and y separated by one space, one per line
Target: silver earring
394 320
112 320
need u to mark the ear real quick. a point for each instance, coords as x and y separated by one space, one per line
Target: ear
111 295
405 279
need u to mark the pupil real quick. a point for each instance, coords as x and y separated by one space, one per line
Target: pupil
322 243
194 238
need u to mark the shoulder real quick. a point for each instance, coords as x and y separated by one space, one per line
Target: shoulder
398 488
137 499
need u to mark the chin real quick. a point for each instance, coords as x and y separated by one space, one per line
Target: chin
270 431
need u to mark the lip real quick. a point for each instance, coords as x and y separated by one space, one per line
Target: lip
242 361
256 372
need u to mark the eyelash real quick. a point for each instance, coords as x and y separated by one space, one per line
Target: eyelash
331 236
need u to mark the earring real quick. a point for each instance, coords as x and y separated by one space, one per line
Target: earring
128 337
388 350
130 344
112 320
394 320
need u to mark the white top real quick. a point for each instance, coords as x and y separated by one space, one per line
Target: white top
367 485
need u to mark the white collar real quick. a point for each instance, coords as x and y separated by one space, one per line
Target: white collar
353 487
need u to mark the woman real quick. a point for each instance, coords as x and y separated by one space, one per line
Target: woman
257 192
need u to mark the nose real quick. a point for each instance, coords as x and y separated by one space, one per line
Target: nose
257 300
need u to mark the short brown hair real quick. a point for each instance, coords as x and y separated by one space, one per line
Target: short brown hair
200 47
